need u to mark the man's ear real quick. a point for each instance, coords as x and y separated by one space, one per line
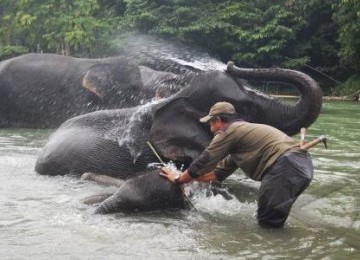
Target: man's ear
218 121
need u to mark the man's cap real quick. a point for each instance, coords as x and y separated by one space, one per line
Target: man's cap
220 108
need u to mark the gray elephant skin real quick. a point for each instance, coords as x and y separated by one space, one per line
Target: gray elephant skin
43 90
113 142
147 192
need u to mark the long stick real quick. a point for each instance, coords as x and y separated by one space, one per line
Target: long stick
156 154
318 71
162 162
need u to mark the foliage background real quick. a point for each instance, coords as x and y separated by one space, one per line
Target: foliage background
319 37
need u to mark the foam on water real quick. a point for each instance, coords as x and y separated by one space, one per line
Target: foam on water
204 199
219 205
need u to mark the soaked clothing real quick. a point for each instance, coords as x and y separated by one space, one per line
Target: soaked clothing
265 154
251 147
290 175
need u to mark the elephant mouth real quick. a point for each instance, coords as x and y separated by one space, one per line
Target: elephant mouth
87 85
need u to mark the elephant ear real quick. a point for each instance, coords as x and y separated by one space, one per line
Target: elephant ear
116 78
177 133
97 78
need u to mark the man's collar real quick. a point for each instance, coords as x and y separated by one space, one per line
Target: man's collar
226 125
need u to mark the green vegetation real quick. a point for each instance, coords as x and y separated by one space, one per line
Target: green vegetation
9 51
320 37
350 87
77 27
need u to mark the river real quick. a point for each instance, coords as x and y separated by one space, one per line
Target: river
42 217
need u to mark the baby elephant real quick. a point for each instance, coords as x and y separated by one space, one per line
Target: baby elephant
146 192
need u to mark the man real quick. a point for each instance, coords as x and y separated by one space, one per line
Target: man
263 152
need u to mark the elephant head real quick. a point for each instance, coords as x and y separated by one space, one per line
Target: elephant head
43 90
113 142
154 81
178 134
121 79
114 80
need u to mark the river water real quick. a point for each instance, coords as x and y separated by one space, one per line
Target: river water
42 217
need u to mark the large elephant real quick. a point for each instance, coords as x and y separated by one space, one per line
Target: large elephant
43 90
113 142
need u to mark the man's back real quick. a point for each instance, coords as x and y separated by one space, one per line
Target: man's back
255 147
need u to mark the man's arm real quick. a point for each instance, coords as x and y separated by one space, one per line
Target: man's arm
207 177
185 176
225 168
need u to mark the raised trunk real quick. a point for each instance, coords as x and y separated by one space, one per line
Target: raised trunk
285 117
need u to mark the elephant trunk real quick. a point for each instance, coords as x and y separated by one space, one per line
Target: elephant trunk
108 206
273 112
112 204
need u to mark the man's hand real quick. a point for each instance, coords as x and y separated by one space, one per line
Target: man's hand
169 174
184 177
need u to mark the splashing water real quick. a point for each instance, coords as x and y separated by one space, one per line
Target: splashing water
160 55
205 200
123 133
164 56
168 56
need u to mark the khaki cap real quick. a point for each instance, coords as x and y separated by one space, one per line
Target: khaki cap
220 108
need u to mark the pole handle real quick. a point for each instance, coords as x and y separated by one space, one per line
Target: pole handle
320 139
302 136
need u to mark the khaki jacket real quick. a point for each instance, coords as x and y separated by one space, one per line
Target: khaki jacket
251 147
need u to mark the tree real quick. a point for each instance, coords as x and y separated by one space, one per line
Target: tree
10 42
249 32
61 26
319 34
347 16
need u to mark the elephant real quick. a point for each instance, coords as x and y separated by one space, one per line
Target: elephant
113 142
146 192
43 90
